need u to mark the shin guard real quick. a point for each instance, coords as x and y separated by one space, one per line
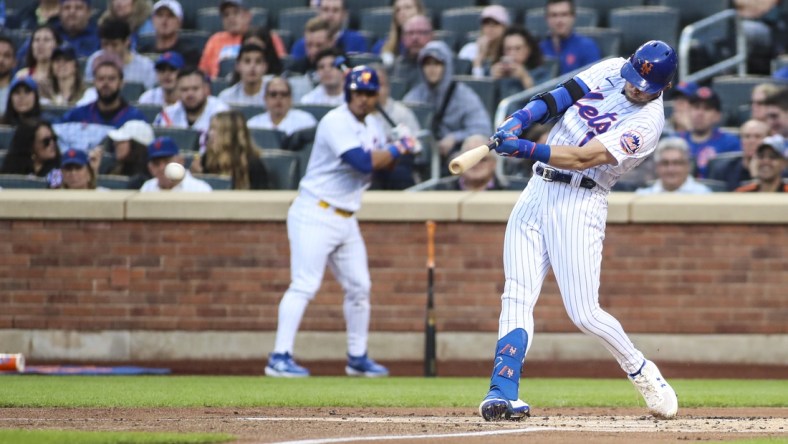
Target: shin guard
509 357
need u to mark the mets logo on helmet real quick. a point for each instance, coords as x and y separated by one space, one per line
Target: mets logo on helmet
366 77
646 68
631 141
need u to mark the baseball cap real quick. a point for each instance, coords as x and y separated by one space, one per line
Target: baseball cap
238 3
171 59
497 13
74 157
706 95
687 89
106 58
172 5
66 51
87 2
774 143
162 147
137 130
24 80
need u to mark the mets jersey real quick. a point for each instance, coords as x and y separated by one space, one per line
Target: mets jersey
327 176
630 131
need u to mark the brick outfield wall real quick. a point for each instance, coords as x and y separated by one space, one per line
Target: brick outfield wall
196 276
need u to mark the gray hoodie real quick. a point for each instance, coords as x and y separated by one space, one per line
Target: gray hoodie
465 113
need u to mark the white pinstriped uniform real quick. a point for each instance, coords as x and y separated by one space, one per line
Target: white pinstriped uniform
562 226
320 236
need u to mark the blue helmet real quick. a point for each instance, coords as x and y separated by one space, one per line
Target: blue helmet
652 67
361 78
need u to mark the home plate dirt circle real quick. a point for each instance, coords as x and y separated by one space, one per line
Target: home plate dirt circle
447 425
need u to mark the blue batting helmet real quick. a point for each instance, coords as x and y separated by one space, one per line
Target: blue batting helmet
361 78
652 67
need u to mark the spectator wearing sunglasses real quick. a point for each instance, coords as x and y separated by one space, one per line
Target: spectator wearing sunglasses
280 114
33 150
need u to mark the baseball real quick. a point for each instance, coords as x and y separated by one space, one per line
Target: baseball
174 171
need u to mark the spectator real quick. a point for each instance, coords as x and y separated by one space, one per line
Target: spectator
519 67
251 73
137 13
280 114
570 49
757 98
65 86
7 63
673 170
24 102
765 28
231 152
330 76
236 18
34 14
458 110
777 112
167 22
264 38
162 151
87 125
737 170
391 47
167 67
75 27
416 33
487 48
482 176
196 106
318 37
398 112
115 39
345 40
705 138
130 148
680 119
76 172
38 60
33 150
769 167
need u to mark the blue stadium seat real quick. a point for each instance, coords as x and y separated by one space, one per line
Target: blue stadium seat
216 181
484 88
316 110
113 181
536 23
376 20
267 138
607 39
641 24
186 139
294 19
149 111
282 167
603 8
692 11
22 181
274 7
356 7
131 91
735 92
6 134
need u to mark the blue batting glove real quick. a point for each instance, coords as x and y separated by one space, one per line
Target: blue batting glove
524 149
508 146
516 123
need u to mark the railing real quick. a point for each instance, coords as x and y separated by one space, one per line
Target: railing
688 36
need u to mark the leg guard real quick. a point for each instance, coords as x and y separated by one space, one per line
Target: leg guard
509 357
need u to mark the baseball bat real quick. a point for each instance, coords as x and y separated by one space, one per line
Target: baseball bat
430 368
471 157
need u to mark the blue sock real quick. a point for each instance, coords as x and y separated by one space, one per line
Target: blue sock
509 356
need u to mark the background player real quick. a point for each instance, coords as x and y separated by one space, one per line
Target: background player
610 118
349 145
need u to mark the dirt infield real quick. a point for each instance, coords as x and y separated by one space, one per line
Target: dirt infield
325 425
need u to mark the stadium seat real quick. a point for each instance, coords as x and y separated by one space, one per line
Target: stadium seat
398 88
718 164
363 59
603 8
249 111
536 23
22 181
450 38
484 88
267 138
316 110
376 20
286 36
216 181
282 167
356 7
131 91
209 19
113 181
423 113
6 134
274 7
735 91
717 186
194 38
186 139
149 111
107 158
226 68
641 24
517 8
3 153
460 20
194 6
462 67
294 19
692 11
607 39
55 112
218 85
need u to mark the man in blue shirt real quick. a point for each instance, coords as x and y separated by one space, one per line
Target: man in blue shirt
74 26
572 51
347 41
704 137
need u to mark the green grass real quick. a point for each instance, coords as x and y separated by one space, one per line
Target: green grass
224 391
76 437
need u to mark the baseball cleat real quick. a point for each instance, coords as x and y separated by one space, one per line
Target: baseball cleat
495 408
658 394
364 366
282 365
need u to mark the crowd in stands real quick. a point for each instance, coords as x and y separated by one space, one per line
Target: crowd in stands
104 93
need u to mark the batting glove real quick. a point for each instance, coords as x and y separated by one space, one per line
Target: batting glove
401 131
403 145
523 149
516 123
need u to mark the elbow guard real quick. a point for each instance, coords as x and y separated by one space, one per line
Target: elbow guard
560 99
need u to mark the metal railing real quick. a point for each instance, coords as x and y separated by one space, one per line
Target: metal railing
688 37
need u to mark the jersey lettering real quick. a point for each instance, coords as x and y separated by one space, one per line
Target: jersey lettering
599 123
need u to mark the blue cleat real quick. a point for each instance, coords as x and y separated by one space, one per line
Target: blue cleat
496 408
364 366
282 365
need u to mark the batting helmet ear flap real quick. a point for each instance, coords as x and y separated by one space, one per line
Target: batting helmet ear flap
652 67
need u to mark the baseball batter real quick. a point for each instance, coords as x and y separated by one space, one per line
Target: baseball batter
349 144
610 118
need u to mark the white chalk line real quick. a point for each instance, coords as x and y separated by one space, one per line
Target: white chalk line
435 436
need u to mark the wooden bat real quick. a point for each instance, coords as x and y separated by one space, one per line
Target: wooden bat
471 157
430 368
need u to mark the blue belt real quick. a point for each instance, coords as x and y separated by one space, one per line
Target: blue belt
553 175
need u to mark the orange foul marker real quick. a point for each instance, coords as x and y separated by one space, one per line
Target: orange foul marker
12 362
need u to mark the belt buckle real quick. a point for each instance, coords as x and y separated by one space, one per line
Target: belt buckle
548 174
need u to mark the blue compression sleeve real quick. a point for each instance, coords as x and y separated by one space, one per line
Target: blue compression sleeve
359 159
561 99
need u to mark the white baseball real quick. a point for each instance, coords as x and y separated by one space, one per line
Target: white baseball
174 171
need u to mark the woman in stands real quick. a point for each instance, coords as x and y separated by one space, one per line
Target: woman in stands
24 102
390 47
76 172
520 65
231 152
263 38
65 86
43 42
33 150
130 147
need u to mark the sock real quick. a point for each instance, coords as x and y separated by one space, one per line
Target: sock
509 357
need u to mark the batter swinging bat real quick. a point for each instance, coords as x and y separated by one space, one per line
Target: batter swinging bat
471 157
429 329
